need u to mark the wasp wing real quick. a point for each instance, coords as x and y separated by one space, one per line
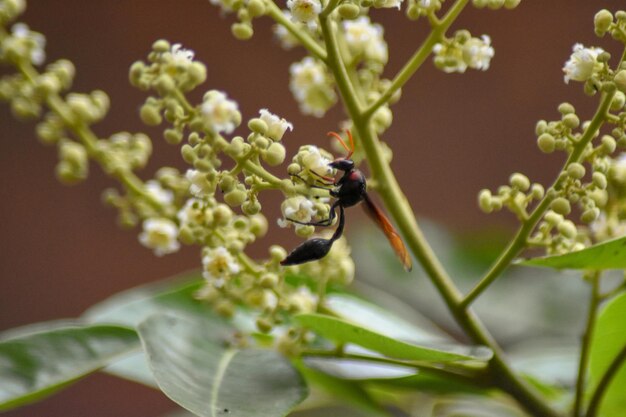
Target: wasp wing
394 238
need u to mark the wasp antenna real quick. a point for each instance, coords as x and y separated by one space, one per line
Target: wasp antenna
351 143
336 136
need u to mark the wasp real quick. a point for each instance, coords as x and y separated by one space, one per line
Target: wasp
348 191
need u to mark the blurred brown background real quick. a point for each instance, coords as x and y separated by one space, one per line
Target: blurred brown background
452 135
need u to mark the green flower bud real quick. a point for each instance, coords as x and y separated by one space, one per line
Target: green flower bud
600 197
511 4
275 154
479 4
251 207
235 197
242 31
590 215
269 280
294 169
546 143
161 46
571 121
222 215
618 101
602 21
164 84
412 12
224 308
68 174
541 127
561 206
519 181
552 218
567 228
258 126
258 225
236 147
135 73
277 253
607 86
186 236
196 72
188 153
576 170
261 142
227 183
484 201
536 191
305 231
349 11
495 4
608 144
620 80
203 165
264 325
150 114
256 8
599 180
47 134
566 108
173 136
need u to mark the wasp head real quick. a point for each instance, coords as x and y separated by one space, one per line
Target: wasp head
342 164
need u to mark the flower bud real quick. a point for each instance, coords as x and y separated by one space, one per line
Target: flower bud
571 121
599 180
173 136
590 215
236 147
566 108
546 143
618 101
552 218
511 4
258 126
294 169
277 253
150 114
235 197
164 84
275 154
227 183
484 201
608 144
567 228
349 11
620 80
222 215
256 8
242 31
305 231
576 170
258 225
188 153
269 280
160 46
519 181
251 207
536 191
561 206
541 127
261 142
602 21
495 4
264 325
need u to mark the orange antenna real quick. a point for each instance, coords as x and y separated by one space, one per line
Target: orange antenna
349 150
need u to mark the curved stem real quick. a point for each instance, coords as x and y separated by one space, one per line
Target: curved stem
519 241
604 383
594 301
418 58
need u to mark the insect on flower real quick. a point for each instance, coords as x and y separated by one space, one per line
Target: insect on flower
349 190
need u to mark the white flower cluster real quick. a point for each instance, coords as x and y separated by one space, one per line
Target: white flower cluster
220 114
312 86
305 11
582 63
365 39
33 42
160 235
457 56
276 126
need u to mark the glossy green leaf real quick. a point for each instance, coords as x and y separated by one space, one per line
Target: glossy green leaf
194 367
609 338
610 254
33 365
346 332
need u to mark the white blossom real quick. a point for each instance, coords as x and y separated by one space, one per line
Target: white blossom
313 160
365 38
181 55
276 126
220 113
160 235
311 86
582 63
449 58
218 264
37 42
477 53
193 213
297 208
158 193
286 38
199 184
305 11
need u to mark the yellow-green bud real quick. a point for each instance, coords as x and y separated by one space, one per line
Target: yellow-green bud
196 72
600 197
602 21
258 225
349 11
203 165
161 46
188 154
536 191
561 206
305 231
227 183
225 308
173 136
185 235
590 215
479 4
599 180
242 31
576 170
236 147
277 253
571 121
567 228
258 126
275 154
412 12
607 86
618 101
256 8
495 4
269 280
251 207
164 84
511 4
546 143
620 80
222 215
566 108
67 174
553 218
608 144
136 71
294 169
150 114
484 201
519 181
541 127
235 197
261 142
264 325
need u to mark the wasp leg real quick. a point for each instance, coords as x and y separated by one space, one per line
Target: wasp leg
324 223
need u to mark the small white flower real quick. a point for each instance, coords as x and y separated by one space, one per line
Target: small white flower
365 38
286 38
161 195
193 213
304 11
582 63
220 113
296 208
449 58
37 42
477 53
311 87
303 300
276 126
160 236
181 55
218 264
200 185
270 301
314 161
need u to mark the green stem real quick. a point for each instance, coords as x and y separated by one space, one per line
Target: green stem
307 41
418 57
519 241
604 383
594 301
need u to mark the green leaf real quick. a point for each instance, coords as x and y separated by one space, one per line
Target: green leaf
345 332
610 254
194 367
608 339
33 365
